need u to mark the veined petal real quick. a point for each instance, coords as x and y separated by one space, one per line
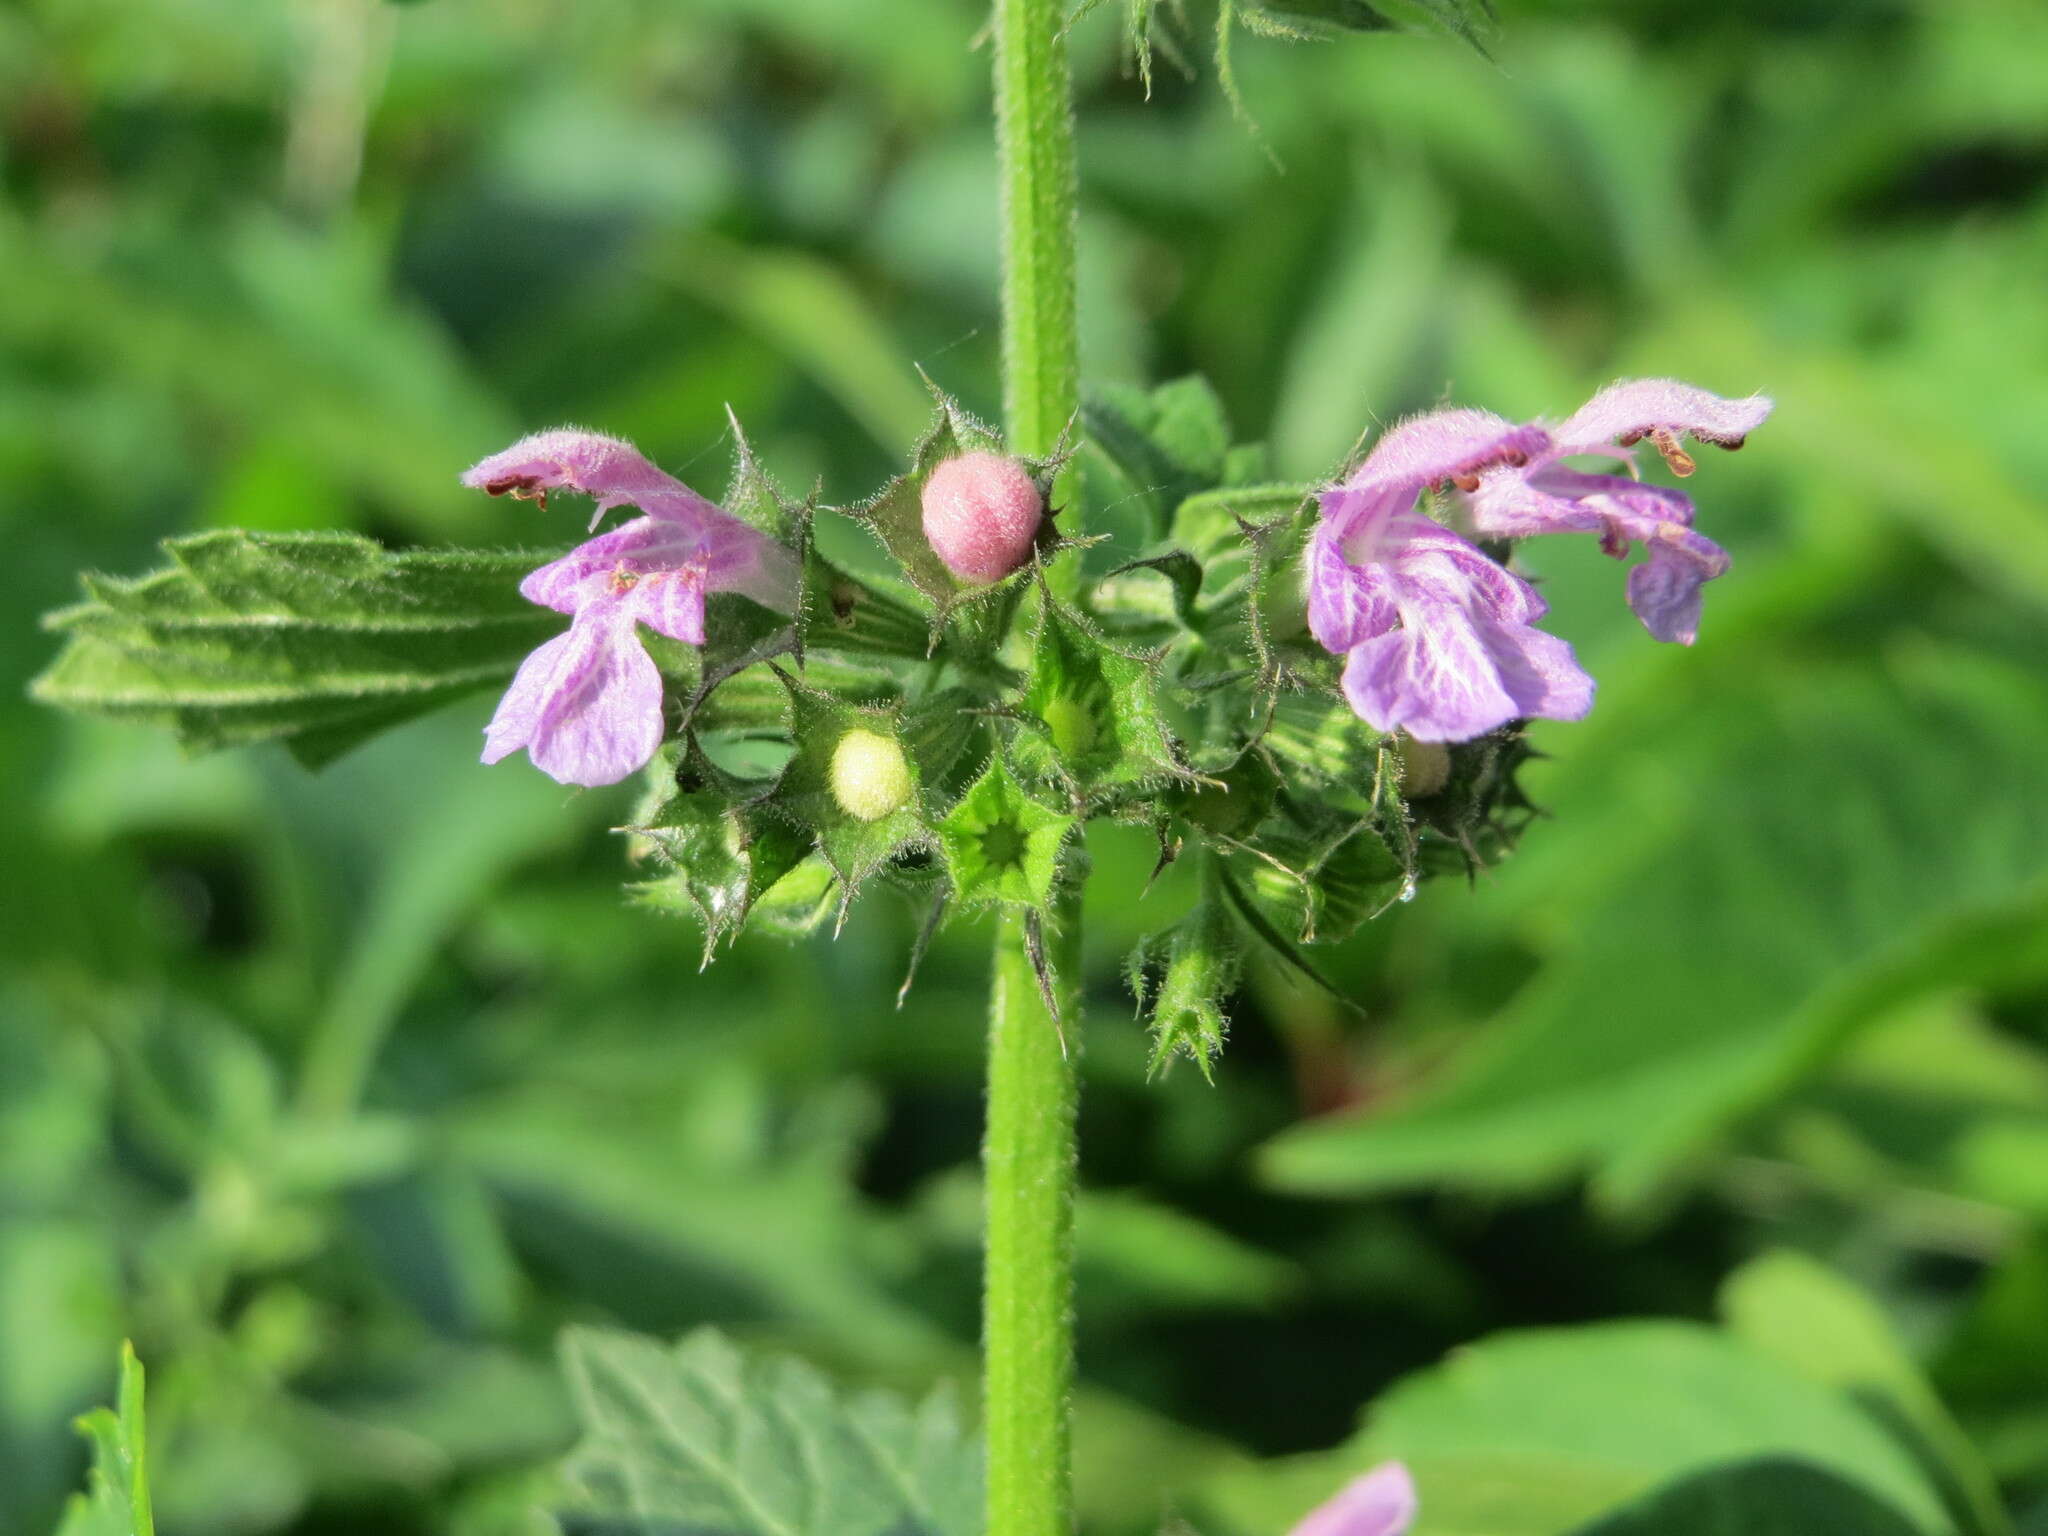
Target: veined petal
1515 504
1635 408
1380 1503
1429 559
670 603
586 706
725 554
1538 671
740 559
588 571
1346 603
571 459
1433 678
1664 591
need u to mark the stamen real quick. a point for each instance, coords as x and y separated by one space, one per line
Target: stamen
1681 462
519 488
1466 483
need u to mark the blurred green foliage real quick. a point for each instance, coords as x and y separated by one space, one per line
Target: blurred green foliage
342 1093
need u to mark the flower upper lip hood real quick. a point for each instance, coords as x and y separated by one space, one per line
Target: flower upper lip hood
586 706
1541 495
572 459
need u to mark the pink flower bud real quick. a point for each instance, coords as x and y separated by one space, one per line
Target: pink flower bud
981 513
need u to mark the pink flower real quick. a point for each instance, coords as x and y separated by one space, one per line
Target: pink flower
1540 495
1381 1503
1439 640
586 706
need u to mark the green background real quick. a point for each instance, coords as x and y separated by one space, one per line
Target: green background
1771 981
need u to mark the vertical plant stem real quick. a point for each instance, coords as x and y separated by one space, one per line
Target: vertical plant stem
1028 1151
1027 1316
1035 147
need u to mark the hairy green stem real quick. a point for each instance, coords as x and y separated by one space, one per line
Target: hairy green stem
1028 1151
1035 144
1027 1315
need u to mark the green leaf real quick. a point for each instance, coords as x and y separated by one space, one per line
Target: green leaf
1161 446
1001 845
702 1438
116 1502
318 639
1800 829
1536 1433
1803 1314
1099 706
1765 1497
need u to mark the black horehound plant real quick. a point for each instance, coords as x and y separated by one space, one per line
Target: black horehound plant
1313 693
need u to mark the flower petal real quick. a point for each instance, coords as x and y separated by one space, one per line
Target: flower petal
1428 559
1347 603
1425 449
1664 591
1381 1503
586 706
1635 408
670 603
569 458
1433 678
1422 451
588 571
1538 671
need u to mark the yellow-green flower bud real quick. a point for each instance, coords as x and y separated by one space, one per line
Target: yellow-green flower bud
1071 724
1425 767
870 778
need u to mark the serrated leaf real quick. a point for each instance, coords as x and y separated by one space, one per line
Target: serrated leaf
116 1501
1183 573
895 514
1001 845
1100 720
316 639
1162 445
726 848
699 1437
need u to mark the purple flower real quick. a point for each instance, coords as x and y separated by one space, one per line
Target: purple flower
1541 495
586 706
1439 639
1381 1503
